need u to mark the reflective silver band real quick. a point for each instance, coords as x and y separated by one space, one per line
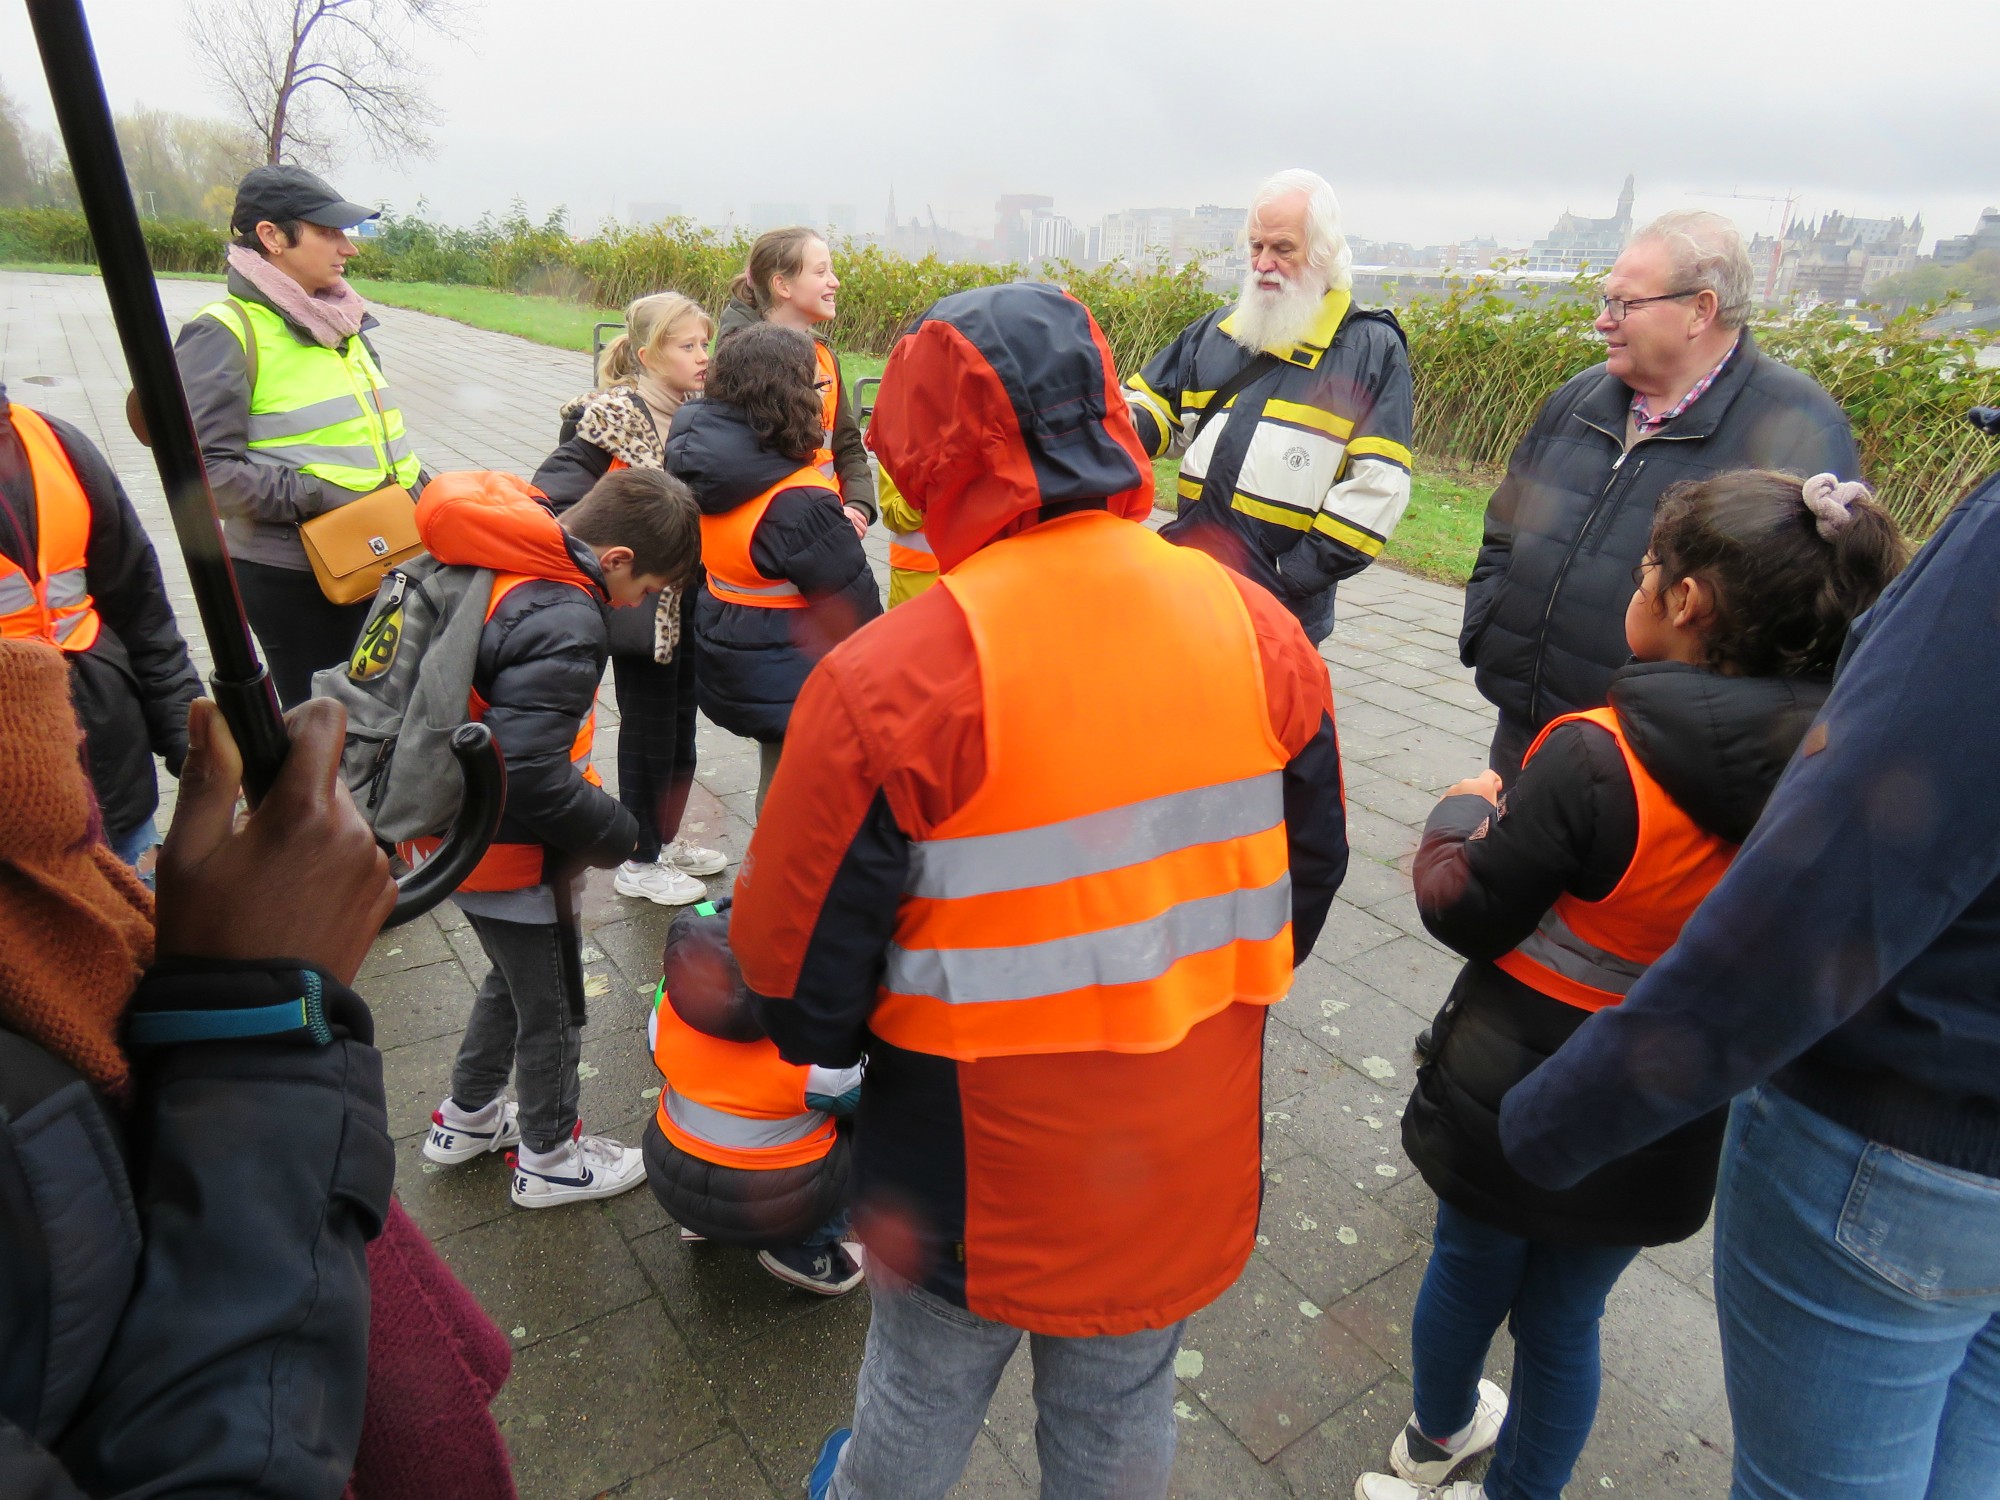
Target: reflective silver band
298 455
775 590
1556 947
66 626
270 425
980 864
916 541
1130 954
66 588
719 1128
16 593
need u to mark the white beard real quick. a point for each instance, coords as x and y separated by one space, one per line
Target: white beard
1277 320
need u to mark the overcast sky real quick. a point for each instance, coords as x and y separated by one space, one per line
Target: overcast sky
1434 120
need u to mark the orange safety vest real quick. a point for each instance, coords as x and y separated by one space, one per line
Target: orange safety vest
725 548
1590 953
829 412
510 867
737 1104
55 606
1121 874
911 551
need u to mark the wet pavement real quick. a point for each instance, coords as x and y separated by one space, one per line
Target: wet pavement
647 1368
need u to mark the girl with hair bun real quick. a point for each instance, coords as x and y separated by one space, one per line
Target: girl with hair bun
1560 897
789 281
644 376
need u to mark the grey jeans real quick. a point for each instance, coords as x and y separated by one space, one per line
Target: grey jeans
521 1024
1104 1407
768 752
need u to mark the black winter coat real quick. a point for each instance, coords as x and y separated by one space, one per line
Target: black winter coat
1717 746
541 657
1544 624
184 1300
753 661
850 456
133 687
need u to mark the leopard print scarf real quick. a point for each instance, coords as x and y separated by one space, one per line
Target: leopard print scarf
617 421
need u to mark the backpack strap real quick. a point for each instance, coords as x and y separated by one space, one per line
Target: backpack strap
1225 393
249 339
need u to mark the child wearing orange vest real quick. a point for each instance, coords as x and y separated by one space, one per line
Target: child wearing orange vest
787 579
744 1147
1560 895
541 655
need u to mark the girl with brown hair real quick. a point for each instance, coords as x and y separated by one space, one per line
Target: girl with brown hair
789 281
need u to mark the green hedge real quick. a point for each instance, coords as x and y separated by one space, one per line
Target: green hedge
1483 360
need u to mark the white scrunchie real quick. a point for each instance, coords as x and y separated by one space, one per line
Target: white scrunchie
1832 500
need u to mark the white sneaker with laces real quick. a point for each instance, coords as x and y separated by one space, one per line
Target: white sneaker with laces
457 1136
660 884
1416 1458
1389 1487
693 858
587 1166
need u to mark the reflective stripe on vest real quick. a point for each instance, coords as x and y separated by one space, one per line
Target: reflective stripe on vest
736 1104
1590 953
911 551
511 867
725 548
55 606
324 412
1057 911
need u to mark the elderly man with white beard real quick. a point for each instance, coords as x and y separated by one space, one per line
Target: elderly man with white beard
1290 411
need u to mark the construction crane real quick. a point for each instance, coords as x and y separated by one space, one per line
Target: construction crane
1790 200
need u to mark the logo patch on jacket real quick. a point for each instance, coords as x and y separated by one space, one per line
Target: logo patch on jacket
1296 458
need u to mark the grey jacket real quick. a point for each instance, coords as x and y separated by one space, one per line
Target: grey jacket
850 457
261 503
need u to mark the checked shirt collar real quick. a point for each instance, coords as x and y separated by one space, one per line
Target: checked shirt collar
1645 424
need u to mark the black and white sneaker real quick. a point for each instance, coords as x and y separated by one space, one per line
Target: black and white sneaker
1416 1458
828 1270
457 1136
588 1166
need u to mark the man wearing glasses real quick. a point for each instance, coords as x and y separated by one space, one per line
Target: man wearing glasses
1682 393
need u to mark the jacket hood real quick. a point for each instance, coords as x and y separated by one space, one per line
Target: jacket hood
485 519
997 402
1715 744
713 450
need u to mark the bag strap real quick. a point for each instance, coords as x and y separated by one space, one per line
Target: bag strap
1264 361
249 340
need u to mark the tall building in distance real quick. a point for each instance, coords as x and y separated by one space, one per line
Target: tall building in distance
1576 242
1014 219
1842 259
1960 248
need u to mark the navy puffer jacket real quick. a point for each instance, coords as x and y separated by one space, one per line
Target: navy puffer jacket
753 661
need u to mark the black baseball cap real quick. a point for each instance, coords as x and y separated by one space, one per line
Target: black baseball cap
282 194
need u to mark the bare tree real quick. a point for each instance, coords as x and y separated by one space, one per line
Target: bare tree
292 69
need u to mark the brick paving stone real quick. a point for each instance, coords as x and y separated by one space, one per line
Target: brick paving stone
651 1370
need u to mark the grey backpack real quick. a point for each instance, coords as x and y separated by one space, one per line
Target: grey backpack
406 688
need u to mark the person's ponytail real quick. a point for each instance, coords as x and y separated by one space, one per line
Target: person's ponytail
618 364
743 289
1867 552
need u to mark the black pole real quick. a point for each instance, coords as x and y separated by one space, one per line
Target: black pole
242 688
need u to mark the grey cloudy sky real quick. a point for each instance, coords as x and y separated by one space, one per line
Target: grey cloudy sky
1435 120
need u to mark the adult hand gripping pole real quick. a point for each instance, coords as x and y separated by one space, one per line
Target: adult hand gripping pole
241 686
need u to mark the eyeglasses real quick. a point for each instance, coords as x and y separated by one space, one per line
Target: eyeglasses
1639 573
823 384
1616 308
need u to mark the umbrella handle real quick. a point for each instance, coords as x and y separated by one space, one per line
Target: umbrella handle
472 829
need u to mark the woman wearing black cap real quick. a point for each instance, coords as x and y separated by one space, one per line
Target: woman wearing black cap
292 411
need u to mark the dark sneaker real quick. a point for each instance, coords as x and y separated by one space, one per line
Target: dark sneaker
828 1270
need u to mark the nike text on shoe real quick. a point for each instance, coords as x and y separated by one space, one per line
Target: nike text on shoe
828 1270
588 1166
1416 1458
452 1139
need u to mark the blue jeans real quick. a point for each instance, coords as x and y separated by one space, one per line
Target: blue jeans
1551 1296
1104 1407
1859 1291
131 847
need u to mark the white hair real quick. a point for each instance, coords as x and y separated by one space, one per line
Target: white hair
1708 255
1326 246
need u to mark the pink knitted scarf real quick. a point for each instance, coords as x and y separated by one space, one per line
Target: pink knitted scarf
331 317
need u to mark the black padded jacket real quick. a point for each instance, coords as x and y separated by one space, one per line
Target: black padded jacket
753 661
1544 624
1717 746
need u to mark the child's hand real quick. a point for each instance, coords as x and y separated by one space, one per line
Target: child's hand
858 518
1486 784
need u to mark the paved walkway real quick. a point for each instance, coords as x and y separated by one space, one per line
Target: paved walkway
643 1368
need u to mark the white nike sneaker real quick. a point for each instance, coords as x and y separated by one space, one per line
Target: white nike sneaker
588 1166
1389 1487
661 884
1415 1457
687 855
457 1136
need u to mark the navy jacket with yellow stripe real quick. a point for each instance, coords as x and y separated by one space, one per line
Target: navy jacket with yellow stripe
1299 480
